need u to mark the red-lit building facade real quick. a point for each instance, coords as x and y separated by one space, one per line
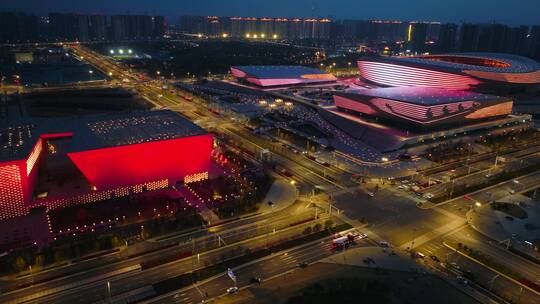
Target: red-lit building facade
117 155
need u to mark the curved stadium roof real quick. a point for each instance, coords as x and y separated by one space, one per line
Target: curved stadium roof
460 71
278 71
487 62
424 95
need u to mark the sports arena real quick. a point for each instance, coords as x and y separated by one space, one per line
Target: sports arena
485 72
62 162
422 108
280 75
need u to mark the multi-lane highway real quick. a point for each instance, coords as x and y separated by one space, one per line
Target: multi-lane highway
459 265
276 265
85 286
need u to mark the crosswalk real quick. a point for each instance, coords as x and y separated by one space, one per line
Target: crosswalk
431 248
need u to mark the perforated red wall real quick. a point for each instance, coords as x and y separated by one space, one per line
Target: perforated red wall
114 167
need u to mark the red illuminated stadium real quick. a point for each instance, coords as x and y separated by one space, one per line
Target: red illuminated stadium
481 71
115 155
422 107
273 76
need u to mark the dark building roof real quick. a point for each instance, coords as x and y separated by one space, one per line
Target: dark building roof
97 131
423 95
16 140
278 71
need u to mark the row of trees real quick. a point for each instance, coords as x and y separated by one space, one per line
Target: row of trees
58 252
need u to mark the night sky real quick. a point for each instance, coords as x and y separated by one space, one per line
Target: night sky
504 11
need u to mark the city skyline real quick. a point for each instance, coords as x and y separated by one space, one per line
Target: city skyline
457 11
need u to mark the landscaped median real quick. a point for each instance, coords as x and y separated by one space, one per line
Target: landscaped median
488 263
497 179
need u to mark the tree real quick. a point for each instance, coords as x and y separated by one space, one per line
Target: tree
39 260
328 224
20 263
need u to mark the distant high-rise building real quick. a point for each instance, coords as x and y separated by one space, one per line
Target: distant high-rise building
515 40
159 26
69 27
136 27
416 36
469 37
385 31
257 28
534 42
447 37
491 37
97 28
192 24
19 27
355 30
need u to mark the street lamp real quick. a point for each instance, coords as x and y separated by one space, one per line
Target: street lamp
109 291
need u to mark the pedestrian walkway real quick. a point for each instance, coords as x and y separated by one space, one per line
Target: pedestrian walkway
445 229
282 194
378 257
208 215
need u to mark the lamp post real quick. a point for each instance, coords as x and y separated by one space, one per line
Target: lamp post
108 292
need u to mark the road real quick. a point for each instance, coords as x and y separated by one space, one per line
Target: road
490 280
197 241
277 265
55 292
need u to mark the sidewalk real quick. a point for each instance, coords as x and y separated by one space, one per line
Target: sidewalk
282 194
381 259
208 215
497 226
